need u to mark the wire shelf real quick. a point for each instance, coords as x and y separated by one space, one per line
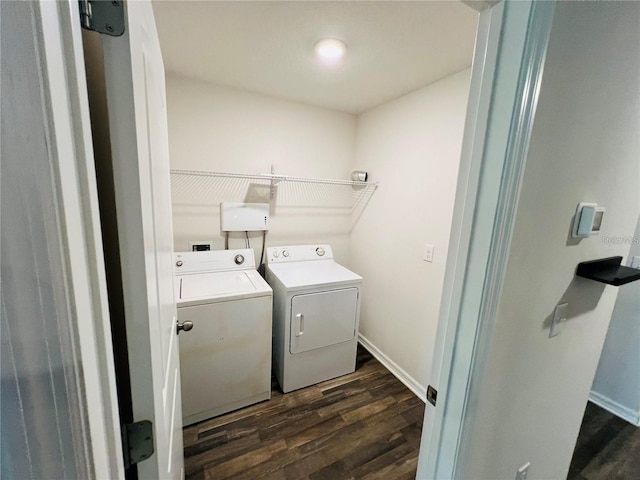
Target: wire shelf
193 187
273 177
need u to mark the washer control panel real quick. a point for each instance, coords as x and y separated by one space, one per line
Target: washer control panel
299 253
214 261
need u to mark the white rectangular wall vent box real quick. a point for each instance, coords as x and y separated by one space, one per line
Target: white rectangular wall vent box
244 217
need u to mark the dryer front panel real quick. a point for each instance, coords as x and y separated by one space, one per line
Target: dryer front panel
322 319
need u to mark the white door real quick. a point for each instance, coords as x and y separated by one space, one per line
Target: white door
138 124
59 416
322 319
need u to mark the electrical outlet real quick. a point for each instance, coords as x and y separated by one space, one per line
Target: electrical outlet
523 471
428 253
635 262
200 245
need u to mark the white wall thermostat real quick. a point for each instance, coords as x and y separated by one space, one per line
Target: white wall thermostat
588 220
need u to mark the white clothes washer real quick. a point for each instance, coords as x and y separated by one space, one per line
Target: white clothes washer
225 359
316 310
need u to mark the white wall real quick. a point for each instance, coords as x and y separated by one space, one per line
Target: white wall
585 147
412 146
617 383
215 128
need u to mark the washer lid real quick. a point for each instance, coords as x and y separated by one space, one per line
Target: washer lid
221 284
303 274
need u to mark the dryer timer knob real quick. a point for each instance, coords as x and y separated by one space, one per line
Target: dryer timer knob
320 251
239 259
285 253
179 263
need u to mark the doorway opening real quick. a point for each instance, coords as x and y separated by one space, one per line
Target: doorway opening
247 95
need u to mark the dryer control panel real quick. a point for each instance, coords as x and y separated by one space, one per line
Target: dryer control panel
299 253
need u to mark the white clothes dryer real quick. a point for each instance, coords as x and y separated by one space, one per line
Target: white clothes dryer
316 310
225 359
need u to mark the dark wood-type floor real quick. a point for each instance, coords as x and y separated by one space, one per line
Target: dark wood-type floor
365 425
608 448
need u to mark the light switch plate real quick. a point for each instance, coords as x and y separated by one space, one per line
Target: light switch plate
635 262
428 253
558 320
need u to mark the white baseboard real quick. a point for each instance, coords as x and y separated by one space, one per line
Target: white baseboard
617 409
410 382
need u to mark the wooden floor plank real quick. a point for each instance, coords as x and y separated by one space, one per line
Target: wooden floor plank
388 463
406 465
366 425
367 410
346 428
231 468
607 448
619 460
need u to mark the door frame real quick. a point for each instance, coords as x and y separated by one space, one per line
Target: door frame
58 33
500 114
458 358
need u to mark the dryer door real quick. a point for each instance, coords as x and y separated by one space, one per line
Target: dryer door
322 319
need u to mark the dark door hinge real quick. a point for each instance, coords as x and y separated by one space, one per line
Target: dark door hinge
137 442
432 395
102 16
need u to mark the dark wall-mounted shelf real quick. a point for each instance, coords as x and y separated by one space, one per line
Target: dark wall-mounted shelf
608 270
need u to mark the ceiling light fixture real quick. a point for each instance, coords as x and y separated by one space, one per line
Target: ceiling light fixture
330 48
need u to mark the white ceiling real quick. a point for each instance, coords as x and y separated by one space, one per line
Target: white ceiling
394 47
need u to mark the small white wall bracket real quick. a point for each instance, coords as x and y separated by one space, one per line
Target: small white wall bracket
275 179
